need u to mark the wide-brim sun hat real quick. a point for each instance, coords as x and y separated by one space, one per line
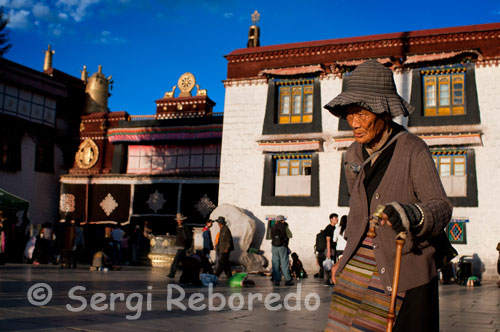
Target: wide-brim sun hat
221 220
371 86
280 218
180 216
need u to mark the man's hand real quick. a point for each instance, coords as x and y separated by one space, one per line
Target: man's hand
401 216
385 220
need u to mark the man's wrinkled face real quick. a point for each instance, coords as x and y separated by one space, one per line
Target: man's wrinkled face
366 126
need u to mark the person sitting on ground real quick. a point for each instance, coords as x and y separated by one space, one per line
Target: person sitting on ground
297 269
100 261
192 266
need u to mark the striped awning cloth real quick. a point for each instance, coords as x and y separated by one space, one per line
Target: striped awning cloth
146 134
360 61
438 56
431 140
292 70
290 146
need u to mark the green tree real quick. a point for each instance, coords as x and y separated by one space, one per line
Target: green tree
4 38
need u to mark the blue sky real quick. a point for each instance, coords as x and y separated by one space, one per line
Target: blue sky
146 45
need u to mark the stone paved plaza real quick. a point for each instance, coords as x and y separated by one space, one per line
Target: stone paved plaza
69 309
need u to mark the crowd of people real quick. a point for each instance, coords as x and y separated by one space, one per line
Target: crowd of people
67 243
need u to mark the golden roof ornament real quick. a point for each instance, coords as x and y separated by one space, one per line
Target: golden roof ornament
200 92
254 31
85 74
255 17
47 62
97 92
186 84
87 155
170 94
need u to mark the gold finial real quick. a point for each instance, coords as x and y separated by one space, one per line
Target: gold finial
47 63
254 31
255 17
99 69
85 74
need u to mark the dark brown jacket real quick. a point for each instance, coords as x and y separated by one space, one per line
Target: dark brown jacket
225 240
411 177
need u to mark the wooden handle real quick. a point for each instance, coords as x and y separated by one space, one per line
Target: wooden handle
395 282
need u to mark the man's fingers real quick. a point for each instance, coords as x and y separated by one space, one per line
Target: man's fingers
385 220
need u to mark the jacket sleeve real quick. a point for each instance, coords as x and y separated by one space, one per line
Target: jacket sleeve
432 199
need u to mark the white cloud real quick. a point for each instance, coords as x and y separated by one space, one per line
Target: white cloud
20 4
107 38
228 15
18 19
63 16
77 9
55 29
41 11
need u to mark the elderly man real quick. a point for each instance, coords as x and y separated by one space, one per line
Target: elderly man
386 165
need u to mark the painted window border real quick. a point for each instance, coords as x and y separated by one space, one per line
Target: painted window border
291 89
268 185
438 78
472 114
271 122
470 200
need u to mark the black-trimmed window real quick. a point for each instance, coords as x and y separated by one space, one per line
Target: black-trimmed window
293 175
44 157
444 91
293 106
295 101
291 179
444 95
457 170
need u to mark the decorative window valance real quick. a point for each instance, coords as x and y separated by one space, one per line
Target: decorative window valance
356 62
146 134
438 56
288 71
430 140
290 146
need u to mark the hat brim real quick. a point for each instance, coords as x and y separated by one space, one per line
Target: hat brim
391 104
180 218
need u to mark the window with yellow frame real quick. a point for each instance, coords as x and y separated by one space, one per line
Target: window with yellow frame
444 91
295 101
293 167
450 163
